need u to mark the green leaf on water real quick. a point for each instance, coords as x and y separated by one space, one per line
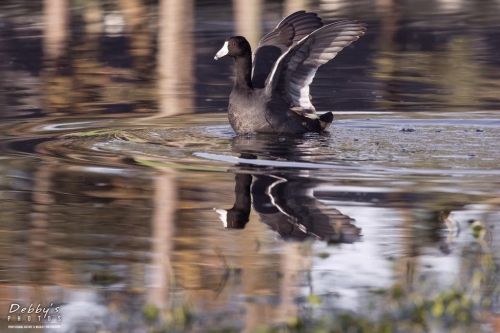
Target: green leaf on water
323 255
438 309
150 312
314 299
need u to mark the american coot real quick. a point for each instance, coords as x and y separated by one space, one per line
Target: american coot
271 94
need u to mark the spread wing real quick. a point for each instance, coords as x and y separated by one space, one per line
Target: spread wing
289 31
294 71
292 29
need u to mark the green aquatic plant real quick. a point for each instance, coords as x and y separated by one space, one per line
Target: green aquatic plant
150 313
175 319
105 278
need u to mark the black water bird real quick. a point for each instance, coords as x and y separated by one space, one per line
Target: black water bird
271 93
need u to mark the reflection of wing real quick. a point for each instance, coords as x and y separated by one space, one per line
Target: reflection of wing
270 213
289 31
287 206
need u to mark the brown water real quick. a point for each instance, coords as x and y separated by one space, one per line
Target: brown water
107 196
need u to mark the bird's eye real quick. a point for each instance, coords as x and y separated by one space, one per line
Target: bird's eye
234 43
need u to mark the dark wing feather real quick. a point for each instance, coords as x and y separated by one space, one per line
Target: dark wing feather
292 29
289 31
294 71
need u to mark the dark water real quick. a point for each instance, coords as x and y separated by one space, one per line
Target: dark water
115 150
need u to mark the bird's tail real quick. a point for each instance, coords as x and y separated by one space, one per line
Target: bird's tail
325 120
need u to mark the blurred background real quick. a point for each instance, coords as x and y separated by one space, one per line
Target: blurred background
115 148
133 56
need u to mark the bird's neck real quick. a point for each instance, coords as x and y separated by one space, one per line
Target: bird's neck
243 66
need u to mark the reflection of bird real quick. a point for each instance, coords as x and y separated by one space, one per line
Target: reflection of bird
287 205
271 94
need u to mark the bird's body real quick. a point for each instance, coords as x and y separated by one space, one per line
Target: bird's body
250 104
271 89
